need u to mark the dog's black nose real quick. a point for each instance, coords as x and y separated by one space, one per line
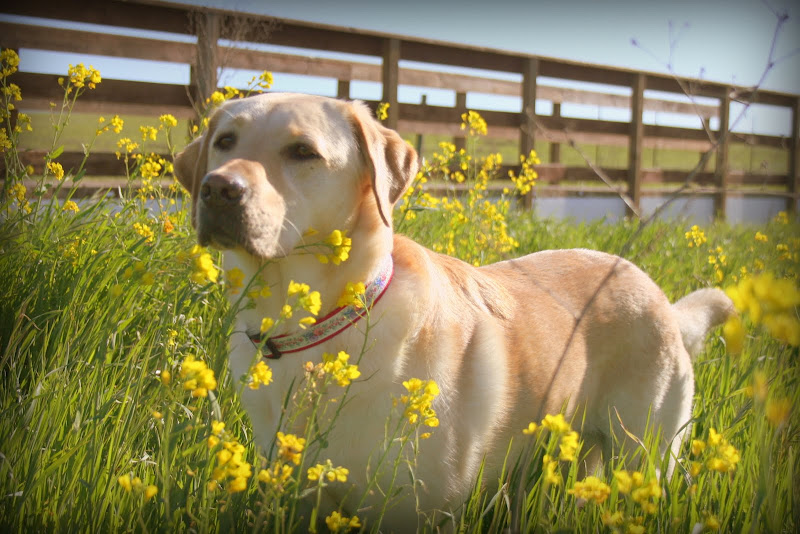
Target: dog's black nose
221 190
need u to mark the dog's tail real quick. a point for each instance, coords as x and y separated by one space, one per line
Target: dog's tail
699 312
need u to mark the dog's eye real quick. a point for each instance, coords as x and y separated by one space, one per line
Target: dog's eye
225 141
301 152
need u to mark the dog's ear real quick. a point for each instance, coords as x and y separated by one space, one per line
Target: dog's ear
390 160
190 168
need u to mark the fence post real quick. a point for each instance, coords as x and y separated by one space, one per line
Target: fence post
461 106
794 159
636 137
530 70
390 76
721 167
343 89
203 73
420 141
555 146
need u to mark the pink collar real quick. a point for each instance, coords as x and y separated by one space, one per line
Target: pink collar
333 324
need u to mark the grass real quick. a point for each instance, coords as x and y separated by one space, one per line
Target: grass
97 306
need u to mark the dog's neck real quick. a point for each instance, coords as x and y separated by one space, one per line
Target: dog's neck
369 248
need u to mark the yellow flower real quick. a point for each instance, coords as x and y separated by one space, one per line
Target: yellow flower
203 266
168 121
70 205
266 324
260 374
352 295
312 302
125 482
117 123
150 492
711 522
326 470
166 377
277 476
197 377
337 522
56 169
419 401
145 231
568 446
551 473
296 288
532 428
591 489
476 123
286 311
340 246
338 367
761 237
695 237
626 482
305 322
778 411
733 332
782 217
290 447
382 113
235 278
555 423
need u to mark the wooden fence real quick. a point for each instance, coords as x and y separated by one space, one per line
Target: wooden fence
214 30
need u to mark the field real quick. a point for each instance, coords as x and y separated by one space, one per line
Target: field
114 383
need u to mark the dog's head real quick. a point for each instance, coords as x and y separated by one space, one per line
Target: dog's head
271 167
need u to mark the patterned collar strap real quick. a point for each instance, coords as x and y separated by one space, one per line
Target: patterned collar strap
332 324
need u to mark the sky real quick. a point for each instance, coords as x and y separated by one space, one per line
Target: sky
727 41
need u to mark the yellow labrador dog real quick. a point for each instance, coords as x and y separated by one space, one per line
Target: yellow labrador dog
506 343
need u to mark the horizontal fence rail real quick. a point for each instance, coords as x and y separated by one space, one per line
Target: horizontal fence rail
213 32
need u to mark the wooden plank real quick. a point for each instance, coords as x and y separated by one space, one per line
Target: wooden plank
636 137
114 108
721 169
85 42
390 80
45 86
162 17
528 123
794 159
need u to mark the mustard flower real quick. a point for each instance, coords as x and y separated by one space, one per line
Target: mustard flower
419 401
338 367
781 217
340 246
734 335
117 124
125 482
778 411
382 113
168 121
628 481
277 476
352 296
145 231
203 266
266 324
235 278
337 522
197 377
532 428
555 423
327 471
9 61
568 445
761 237
56 169
166 377
695 237
476 123
643 495
150 492
260 374
591 489
70 205
550 470
290 447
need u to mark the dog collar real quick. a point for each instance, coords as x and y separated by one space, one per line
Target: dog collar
332 324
